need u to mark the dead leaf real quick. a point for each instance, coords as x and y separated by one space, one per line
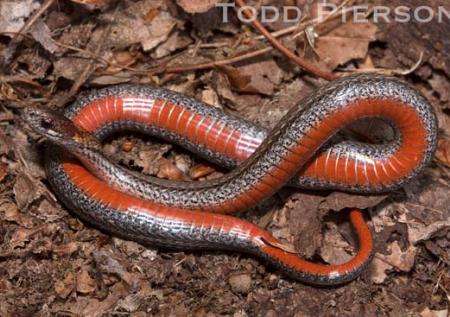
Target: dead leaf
25 191
37 64
123 58
149 158
338 200
434 313
197 6
42 34
334 247
200 170
240 283
89 306
346 42
3 171
210 97
64 287
175 42
21 236
443 151
441 85
5 143
106 80
261 77
48 212
130 26
183 162
304 222
419 232
12 214
65 249
109 265
94 3
367 63
85 284
377 270
14 13
402 260
169 170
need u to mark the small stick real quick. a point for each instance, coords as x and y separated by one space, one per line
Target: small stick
222 62
313 69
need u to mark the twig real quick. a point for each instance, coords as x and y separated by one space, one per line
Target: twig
18 78
256 53
414 67
222 62
34 17
326 18
313 69
391 72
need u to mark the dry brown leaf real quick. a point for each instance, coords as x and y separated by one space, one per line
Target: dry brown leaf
92 2
417 231
261 77
200 170
89 306
123 58
377 270
14 13
42 34
239 80
65 249
303 222
3 171
338 200
21 236
240 283
37 65
209 96
48 212
85 283
12 214
149 157
434 313
109 265
334 247
175 42
197 6
26 190
441 84
443 151
402 260
64 287
130 27
170 171
347 42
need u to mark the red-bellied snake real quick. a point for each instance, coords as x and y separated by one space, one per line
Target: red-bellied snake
301 149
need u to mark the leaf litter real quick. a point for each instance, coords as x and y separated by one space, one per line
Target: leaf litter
52 263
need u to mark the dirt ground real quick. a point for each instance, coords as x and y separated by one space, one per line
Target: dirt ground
53 264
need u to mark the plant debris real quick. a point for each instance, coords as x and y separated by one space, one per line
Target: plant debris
52 263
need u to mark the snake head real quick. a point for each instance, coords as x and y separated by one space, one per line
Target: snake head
58 129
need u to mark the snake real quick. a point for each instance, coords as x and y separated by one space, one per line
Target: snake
303 150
